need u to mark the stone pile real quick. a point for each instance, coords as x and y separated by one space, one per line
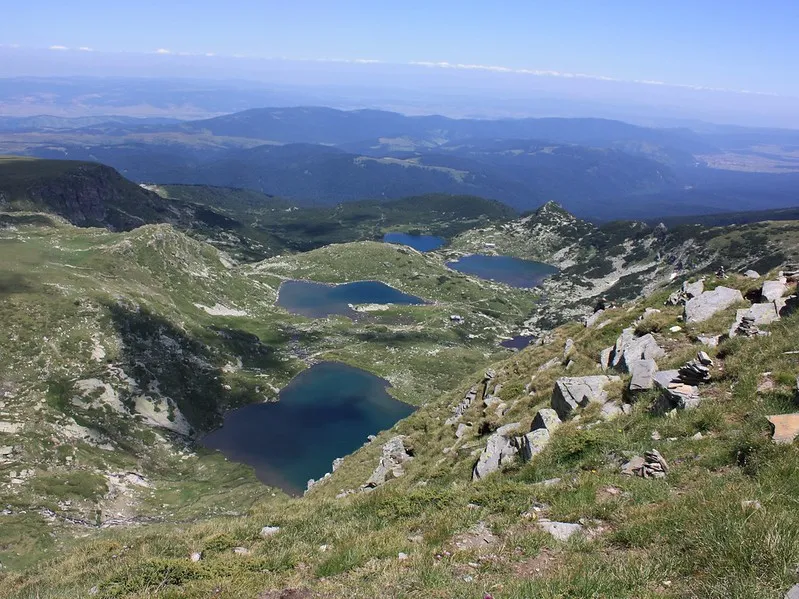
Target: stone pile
675 393
696 371
652 465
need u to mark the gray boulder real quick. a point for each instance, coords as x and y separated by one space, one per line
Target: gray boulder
705 305
533 443
545 419
752 274
500 450
793 592
773 290
562 531
643 373
573 392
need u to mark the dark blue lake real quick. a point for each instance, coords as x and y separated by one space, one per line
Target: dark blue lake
518 342
505 269
422 243
324 413
317 300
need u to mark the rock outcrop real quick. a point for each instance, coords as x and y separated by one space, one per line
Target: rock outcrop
500 450
545 422
571 393
704 306
394 455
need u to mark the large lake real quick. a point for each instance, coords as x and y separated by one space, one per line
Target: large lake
317 300
505 269
422 243
324 413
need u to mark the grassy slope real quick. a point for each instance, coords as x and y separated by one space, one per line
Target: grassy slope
84 304
685 536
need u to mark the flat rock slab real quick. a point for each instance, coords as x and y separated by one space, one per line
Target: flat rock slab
709 303
643 372
562 531
785 427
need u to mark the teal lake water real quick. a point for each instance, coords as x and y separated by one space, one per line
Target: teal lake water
504 269
324 413
317 300
422 243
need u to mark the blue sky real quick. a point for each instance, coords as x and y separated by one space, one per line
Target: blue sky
733 45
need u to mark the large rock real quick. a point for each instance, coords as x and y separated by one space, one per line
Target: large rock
756 315
773 290
545 419
629 348
533 443
500 450
643 373
573 392
393 456
708 303
752 274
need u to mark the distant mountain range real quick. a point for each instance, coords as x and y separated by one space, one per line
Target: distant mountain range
596 168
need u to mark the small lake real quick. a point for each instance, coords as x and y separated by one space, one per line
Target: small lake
317 300
504 269
422 243
324 413
518 342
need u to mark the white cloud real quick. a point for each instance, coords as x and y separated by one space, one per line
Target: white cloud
566 75
163 51
58 48
86 49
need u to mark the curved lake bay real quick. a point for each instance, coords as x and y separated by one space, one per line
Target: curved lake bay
317 300
325 412
422 243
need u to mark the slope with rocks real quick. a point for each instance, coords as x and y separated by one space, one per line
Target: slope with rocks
693 500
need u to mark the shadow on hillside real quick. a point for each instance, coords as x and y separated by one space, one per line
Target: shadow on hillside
159 355
12 282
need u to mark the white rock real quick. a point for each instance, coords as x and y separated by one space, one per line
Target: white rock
268 531
196 556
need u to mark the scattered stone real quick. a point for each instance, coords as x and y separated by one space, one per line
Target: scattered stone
394 455
643 372
478 537
773 290
568 348
652 465
402 556
562 531
655 436
548 482
751 504
462 430
697 437
456 318
499 451
675 329
573 392
752 274
793 592
704 306
196 556
268 531
785 427
241 551
94 590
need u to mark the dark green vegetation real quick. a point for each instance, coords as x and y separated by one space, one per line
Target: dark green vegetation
598 169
